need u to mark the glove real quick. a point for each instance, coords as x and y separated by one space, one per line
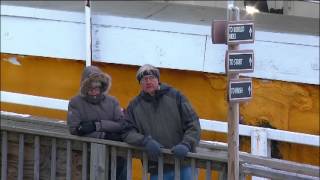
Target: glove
86 127
152 147
180 150
113 136
125 127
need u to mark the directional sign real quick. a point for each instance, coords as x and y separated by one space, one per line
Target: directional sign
239 32
239 61
240 90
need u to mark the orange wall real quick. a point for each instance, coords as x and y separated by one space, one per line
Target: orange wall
285 105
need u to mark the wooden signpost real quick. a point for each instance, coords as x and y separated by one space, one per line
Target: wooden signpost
235 32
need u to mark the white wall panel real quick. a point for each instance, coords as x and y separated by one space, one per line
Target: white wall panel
289 62
296 63
287 38
137 47
28 36
214 58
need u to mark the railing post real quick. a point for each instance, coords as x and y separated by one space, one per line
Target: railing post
194 172
97 161
84 160
242 176
223 174
160 167
129 164
69 161
144 166
53 159
208 170
268 148
4 155
21 157
177 169
259 145
113 163
36 165
108 162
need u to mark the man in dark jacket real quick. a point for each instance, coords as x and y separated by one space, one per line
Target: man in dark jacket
93 113
162 117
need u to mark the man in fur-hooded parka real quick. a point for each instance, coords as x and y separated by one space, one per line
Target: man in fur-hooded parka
97 115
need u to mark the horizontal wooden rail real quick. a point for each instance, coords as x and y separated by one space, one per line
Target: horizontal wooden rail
272 134
31 100
279 164
273 173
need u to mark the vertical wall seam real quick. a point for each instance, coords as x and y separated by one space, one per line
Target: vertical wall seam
204 55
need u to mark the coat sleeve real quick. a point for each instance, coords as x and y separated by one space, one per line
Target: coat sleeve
111 125
107 125
73 117
131 135
190 121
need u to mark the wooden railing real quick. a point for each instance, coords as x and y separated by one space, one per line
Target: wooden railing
39 148
260 137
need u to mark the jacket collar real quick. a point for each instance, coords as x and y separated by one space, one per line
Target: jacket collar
94 99
158 93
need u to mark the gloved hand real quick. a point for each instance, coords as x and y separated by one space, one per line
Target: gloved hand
152 147
86 127
180 150
125 127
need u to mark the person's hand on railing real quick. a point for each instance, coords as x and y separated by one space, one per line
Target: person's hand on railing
152 147
180 150
86 127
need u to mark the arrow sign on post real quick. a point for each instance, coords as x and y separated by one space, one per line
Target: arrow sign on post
239 32
239 61
240 90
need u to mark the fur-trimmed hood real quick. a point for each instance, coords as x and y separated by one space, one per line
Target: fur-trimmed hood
94 74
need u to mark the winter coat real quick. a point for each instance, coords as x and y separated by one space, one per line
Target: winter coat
104 110
167 117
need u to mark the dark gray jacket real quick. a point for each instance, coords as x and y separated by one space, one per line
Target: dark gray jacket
167 117
105 109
